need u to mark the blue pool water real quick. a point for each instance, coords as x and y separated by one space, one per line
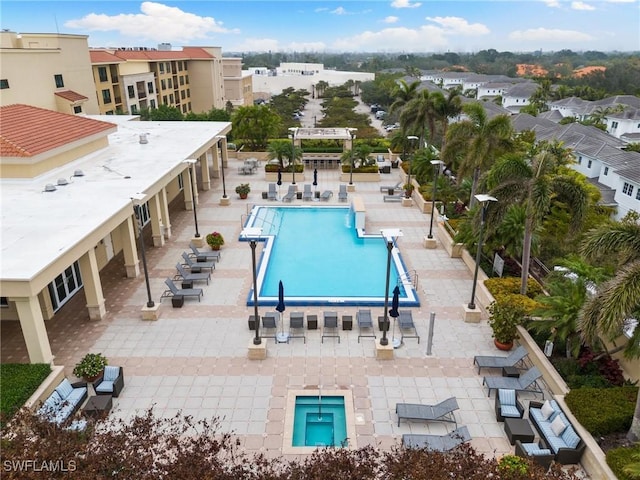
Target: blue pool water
322 259
319 423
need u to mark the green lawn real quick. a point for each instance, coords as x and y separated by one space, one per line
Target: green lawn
18 381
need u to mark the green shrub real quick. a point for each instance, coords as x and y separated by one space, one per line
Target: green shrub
506 285
603 410
618 458
367 169
18 381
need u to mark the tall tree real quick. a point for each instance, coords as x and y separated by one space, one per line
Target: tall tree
473 145
419 114
403 94
447 108
255 125
534 181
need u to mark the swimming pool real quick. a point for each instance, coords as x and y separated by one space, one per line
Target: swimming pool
322 259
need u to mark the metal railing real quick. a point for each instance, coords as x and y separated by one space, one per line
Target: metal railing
411 277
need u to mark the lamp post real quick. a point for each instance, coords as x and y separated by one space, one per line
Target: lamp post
138 214
253 234
484 200
437 165
293 131
352 132
224 187
410 138
191 162
388 235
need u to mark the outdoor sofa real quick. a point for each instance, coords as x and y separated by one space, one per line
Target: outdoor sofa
556 431
63 401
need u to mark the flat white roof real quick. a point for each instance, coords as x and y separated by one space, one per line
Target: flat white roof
37 226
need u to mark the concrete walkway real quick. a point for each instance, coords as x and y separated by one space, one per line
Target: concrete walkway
194 358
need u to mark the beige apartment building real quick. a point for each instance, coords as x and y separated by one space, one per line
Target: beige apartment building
238 83
68 184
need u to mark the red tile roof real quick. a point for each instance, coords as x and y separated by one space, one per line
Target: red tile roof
71 96
118 56
26 131
101 56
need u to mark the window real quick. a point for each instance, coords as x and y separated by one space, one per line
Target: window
106 96
4 83
65 286
179 66
580 160
163 84
152 103
102 74
59 81
627 189
161 67
589 163
77 109
4 302
170 83
606 171
614 124
164 99
181 80
150 87
638 194
134 109
171 98
182 94
186 79
132 92
180 182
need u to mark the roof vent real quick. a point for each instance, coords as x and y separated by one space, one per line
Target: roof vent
49 187
62 182
143 138
78 173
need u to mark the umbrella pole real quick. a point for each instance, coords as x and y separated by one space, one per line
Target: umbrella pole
282 337
396 342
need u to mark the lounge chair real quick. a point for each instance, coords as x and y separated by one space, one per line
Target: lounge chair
405 320
204 255
441 412
326 195
307 194
196 267
364 320
527 382
184 292
291 194
498 362
296 322
186 276
392 198
272 193
342 193
330 326
437 443
388 188
270 322
110 381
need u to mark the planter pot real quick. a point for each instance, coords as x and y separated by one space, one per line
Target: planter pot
503 346
215 247
91 379
243 196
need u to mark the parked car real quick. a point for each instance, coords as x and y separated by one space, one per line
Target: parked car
380 114
394 126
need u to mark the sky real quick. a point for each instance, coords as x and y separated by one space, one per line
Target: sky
424 26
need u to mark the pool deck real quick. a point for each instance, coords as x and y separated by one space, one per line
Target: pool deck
194 358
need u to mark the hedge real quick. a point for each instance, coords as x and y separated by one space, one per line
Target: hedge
507 285
18 381
603 410
618 458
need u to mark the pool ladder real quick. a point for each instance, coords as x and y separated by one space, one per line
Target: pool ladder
411 277
260 221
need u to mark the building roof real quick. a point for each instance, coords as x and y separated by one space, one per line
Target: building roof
521 90
112 175
103 56
524 121
71 96
28 131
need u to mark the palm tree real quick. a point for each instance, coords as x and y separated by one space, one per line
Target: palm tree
403 94
618 299
446 108
418 114
474 144
535 182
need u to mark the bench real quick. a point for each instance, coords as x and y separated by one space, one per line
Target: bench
564 442
392 198
63 401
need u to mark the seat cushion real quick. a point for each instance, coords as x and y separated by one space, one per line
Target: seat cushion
534 449
106 386
509 411
570 437
507 397
64 389
76 395
111 373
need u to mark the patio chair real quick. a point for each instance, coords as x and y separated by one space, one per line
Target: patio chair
535 452
364 320
437 443
296 322
342 193
197 267
272 193
527 382
441 412
326 195
291 194
270 322
387 188
186 276
508 405
204 255
184 292
307 194
405 320
498 362
330 326
110 381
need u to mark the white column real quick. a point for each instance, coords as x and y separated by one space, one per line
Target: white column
92 285
33 329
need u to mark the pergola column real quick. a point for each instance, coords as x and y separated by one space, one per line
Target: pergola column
164 212
128 238
33 329
186 191
204 170
156 221
92 285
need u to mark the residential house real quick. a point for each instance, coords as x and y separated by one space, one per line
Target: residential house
517 96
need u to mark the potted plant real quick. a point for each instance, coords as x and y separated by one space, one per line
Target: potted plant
512 466
408 189
90 367
243 190
505 314
215 240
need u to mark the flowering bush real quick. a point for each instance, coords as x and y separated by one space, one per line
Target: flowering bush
215 239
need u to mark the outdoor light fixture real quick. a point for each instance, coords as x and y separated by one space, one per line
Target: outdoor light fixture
224 187
293 131
484 200
410 138
352 132
389 235
437 165
137 210
253 234
191 162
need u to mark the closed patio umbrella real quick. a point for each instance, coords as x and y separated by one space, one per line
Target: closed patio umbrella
279 182
315 178
282 336
393 312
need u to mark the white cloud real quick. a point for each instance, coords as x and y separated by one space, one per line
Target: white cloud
582 6
548 35
390 19
396 39
156 22
339 11
459 26
405 4
256 45
621 1
552 3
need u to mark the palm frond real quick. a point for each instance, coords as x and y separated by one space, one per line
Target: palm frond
623 238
